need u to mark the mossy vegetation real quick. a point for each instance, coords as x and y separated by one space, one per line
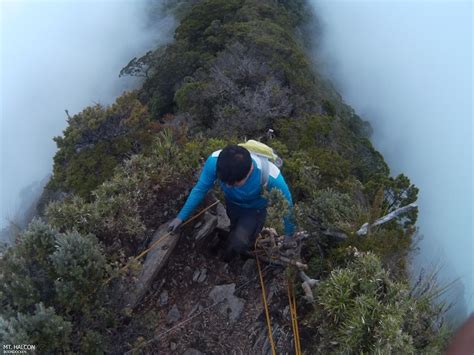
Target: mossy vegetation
235 69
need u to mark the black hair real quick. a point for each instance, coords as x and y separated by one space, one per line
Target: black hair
233 164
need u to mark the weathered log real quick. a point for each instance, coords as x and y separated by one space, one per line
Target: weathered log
154 262
334 234
306 285
283 261
298 264
365 228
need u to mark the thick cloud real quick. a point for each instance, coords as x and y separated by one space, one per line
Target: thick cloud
58 55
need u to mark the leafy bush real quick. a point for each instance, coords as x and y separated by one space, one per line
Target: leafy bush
52 285
239 96
80 268
49 332
95 141
26 273
360 310
388 194
277 210
331 209
301 174
121 207
333 147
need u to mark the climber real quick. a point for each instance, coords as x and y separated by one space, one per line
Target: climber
239 172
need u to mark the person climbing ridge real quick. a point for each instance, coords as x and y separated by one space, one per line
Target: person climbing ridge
243 176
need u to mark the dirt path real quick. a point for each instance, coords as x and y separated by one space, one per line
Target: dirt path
219 303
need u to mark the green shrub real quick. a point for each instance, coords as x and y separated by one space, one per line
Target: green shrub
301 174
392 246
44 329
359 309
117 213
331 209
80 269
26 273
95 141
53 285
277 210
396 192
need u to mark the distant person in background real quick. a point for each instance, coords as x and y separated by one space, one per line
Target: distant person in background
240 174
463 341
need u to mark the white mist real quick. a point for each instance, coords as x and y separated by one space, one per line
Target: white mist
58 55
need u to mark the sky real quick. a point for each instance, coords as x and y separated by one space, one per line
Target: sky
406 67
58 55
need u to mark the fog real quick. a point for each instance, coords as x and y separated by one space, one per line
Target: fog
58 55
406 66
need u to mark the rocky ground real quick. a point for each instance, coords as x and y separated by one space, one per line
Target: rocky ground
199 304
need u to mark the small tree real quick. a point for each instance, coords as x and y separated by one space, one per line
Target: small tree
80 269
359 309
49 332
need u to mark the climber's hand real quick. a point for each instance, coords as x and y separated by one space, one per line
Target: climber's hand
174 224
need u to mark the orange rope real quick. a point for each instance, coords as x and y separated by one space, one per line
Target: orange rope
146 251
294 318
264 298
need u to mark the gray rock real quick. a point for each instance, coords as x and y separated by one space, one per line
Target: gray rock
192 351
173 346
223 221
196 275
164 298
209 223
229 304
202 276
173 315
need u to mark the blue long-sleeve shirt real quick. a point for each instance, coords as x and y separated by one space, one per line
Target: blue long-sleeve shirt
248 195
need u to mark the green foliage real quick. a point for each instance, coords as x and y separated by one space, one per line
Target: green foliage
360 310
80 268
331 209
95 141
333 147
116 213
329 108
301 174
397 192
297 11
173 64
52 285
240 95
277 210
49 332
199 149
26 273
391 245
195 26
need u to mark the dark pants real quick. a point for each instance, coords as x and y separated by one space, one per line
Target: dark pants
245 224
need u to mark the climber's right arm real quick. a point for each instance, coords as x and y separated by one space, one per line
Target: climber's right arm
206 181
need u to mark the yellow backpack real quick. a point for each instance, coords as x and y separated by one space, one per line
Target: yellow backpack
265 154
